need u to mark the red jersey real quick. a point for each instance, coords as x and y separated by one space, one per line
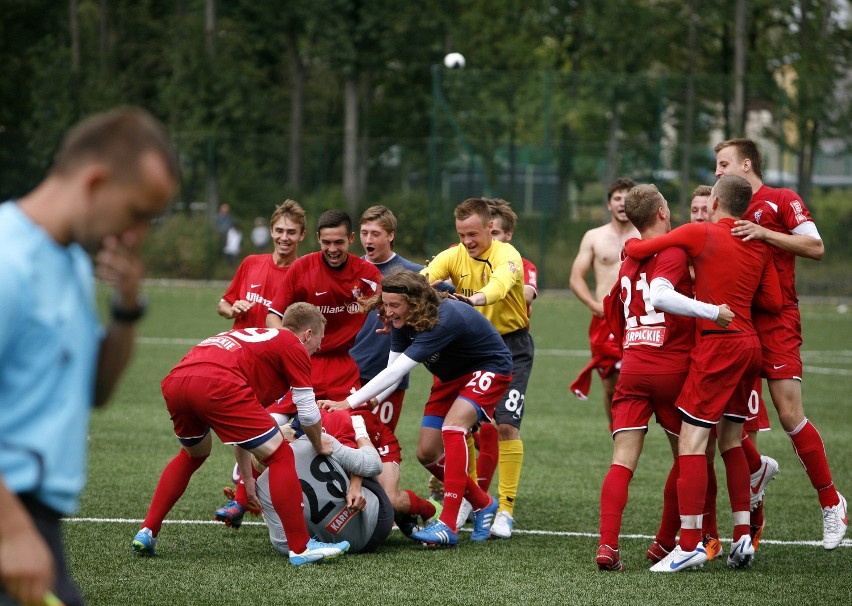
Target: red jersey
334 292
653 342
780 210
338 423
269 360
530 279
727 269
257 280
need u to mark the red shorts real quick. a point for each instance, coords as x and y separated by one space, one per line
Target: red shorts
605 348
333 377
721 376
638 396
780 337
482 388
198 404
758 419
389 410
338 423
382 437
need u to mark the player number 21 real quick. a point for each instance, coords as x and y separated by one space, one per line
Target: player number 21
652 316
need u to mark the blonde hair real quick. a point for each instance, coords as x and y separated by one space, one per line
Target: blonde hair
301 316
291 210
641 203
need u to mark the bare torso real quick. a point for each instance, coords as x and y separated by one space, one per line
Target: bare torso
600 251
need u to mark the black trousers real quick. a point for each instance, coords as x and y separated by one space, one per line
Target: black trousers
48 523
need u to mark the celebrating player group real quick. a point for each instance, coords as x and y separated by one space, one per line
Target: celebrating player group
308 384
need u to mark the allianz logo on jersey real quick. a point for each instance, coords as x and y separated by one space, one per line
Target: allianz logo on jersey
351 308
645 335
340 520
256 298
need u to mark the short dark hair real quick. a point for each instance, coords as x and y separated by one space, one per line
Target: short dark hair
334 218
734 194
746 150
622 184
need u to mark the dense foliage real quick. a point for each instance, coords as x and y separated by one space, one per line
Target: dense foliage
347 102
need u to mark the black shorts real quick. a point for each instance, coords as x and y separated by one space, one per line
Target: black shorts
510 409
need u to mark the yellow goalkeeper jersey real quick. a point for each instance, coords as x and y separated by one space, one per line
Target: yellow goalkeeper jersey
498 274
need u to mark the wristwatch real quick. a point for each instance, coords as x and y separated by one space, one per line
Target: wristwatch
122 315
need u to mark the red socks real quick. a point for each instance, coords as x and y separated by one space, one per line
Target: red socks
418 506
613 501
751 454
437 468
691 493
811 452
736 471
286 494
489 454
670 522
709 521
170 488
457 483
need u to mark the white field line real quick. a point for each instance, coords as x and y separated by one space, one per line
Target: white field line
842 356
839 355
548 533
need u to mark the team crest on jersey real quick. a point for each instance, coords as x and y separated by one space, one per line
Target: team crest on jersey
757 216
512 267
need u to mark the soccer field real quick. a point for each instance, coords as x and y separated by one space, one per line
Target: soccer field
549 560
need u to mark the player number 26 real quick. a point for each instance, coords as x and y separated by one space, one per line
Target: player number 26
481 380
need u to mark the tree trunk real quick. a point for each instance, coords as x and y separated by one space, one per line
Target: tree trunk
807 153
103 35
210 42
739 117
689 112
364 139
74 27
210 29
612 144
297 112
350 145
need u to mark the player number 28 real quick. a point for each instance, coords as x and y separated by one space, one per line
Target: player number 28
335 484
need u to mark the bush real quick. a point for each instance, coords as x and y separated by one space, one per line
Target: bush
183 246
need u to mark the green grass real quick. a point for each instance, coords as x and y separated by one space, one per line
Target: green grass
550 560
